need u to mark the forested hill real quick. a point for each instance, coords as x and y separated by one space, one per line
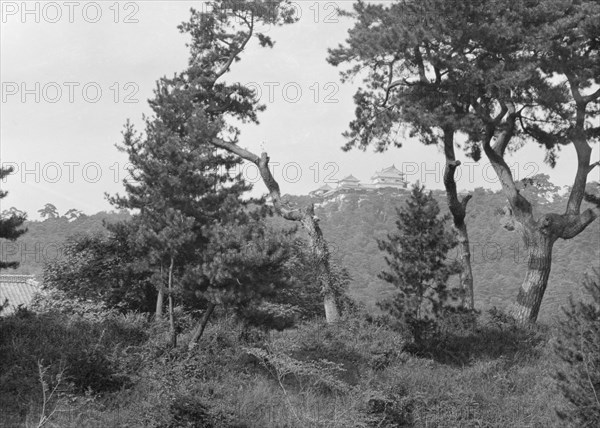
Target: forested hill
43 239
351 223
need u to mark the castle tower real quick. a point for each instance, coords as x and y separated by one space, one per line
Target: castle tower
389 177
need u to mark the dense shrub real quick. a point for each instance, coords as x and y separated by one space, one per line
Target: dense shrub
465 338
104 267
92 354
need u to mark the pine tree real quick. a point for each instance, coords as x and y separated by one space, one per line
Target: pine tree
179 184
244 264
182 187
407 86
49 211
10 225
502 73
417 263
578 345
219 37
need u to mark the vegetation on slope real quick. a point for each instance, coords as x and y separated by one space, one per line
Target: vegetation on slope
119 370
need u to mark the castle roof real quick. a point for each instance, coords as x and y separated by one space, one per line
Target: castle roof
322 189
390 172
349 178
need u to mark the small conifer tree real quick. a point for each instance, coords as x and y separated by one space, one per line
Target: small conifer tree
418 265
578 345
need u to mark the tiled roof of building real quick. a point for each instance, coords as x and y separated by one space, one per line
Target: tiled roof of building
324 188
350 178
391 171
18 290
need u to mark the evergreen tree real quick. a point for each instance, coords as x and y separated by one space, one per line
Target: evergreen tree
504 73
407 86
244 265
179 184
11 223
578 345
49 211
219 36
418 264
182 186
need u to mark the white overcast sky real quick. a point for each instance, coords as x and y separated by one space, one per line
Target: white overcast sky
63 143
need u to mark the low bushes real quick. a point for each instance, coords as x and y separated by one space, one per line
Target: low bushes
119 370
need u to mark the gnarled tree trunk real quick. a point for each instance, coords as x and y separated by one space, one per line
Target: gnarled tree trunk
307 219
466 275
539 235
321 251
458 209
539 245
539 238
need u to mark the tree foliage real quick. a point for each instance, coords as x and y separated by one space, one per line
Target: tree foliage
49 211
104 267
578 345
10 222
260 272
503 73
418 265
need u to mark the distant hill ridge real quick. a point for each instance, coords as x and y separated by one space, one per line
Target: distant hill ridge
354 218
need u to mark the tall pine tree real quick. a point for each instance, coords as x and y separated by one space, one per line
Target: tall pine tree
179 185
396 47
219 36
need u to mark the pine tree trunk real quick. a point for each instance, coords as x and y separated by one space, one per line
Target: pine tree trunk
539 261
321 251
458 209
306 217
172 331
199 330
160 299
332 314
466 276
539 235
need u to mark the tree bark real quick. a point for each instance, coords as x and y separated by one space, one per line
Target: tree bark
307 219
172 332
458 209
466 276
539 262
321 251
199 330
160 298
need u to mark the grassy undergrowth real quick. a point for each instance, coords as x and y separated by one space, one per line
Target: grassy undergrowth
118 371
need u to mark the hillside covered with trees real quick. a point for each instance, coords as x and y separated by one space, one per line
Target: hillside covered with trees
352 223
